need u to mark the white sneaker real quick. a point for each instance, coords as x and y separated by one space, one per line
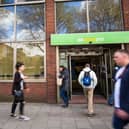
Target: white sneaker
13 115
24 118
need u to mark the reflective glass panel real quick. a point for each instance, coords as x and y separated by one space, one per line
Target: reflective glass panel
6 62
105 15
6 23
32 55
30 22
102 15
70 17
6 1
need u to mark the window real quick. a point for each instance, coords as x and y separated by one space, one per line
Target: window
6 61
105 15
30 22
70 17
32 54
6 1
88 16
7 23
22 38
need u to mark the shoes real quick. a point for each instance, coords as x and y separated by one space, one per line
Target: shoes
13 115
24 118
65 106
91 114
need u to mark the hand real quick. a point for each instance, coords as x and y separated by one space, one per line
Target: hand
25 77
122 114
27 90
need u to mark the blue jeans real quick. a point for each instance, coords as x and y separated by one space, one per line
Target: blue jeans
118 123
64 95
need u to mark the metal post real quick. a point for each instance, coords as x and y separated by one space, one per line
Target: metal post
88 17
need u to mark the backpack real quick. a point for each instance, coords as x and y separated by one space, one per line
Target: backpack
86 79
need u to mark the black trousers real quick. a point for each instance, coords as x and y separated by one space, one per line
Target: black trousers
21 106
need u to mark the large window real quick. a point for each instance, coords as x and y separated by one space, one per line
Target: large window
88 16
70 18
22 38
105 15
30 22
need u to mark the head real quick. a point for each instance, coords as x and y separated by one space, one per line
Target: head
20 66
61 68
121 57
87 65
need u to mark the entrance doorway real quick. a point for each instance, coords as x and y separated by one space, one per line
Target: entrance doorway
77 65
100 59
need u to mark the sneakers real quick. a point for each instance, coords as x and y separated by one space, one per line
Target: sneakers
13 115
91 114
65 106
24 118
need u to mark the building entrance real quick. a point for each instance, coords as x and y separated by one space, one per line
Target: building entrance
100 59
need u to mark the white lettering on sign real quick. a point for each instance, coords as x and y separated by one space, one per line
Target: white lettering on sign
80 40
99 39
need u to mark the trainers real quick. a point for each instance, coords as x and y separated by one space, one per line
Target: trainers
91 114
13 115
24 118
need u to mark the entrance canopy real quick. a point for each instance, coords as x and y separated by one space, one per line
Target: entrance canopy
90 38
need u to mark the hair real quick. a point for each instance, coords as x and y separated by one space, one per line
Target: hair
123 51
87 65
18 65
62 66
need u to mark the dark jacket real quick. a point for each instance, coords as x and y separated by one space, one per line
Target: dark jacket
124 90
17 83
65 76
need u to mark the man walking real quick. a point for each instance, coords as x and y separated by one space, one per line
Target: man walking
88 81
121 95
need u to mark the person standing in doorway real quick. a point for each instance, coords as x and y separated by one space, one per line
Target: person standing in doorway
121 93
88 80
64 88
18 91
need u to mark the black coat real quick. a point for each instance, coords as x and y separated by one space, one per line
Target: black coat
124 90
17 82
66 82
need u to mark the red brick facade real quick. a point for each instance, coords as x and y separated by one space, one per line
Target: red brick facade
50 52
47 91
125 7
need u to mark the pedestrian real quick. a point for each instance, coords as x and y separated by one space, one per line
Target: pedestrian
88 80
65 86
121 93
111 97
18 91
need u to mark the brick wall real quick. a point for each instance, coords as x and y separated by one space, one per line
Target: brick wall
38 92
125 7
51 52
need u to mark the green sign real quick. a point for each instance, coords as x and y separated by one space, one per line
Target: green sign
90 38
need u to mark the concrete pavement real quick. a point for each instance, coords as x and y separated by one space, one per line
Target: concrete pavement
52 116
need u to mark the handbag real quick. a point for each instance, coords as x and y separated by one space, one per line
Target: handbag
59 81
18 93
